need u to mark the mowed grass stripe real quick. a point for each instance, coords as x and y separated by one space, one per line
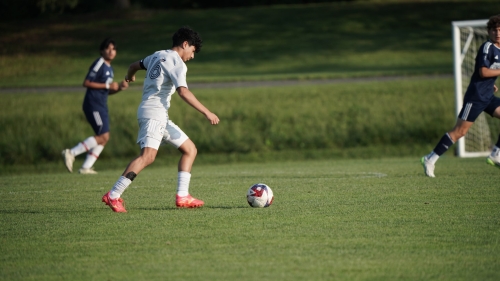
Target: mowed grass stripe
377 219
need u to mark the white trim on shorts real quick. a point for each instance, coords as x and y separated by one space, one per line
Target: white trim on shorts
98 121
466 111
97 118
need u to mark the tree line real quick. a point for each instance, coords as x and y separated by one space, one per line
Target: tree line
22 9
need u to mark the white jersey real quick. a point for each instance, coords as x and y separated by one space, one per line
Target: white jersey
165 72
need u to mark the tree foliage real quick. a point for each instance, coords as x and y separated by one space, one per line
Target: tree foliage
57 6
21 9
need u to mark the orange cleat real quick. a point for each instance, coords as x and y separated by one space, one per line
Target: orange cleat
188 202
115 204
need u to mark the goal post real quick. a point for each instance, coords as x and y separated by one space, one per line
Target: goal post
467 38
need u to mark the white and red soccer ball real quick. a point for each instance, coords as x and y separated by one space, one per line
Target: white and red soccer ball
260 195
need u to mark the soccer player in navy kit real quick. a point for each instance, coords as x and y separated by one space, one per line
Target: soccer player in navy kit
99 84
479 97
165 74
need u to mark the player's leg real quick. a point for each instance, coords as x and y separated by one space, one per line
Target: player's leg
146 158
446 141
189 152
96 122
100 123
149 137
465 120
494 110
93 154
183 198
111 198
176 137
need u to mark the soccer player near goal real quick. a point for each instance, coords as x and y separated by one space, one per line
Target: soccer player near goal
165 74
479 97
99 84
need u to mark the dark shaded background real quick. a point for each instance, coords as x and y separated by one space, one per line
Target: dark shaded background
24 9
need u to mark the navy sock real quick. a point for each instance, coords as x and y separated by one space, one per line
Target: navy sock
498 141
443 145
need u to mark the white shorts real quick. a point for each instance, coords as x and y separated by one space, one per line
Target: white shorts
152 133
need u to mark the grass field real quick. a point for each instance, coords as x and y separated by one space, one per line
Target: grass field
260 120
378 219
345 207
337 120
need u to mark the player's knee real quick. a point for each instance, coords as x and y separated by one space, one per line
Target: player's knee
102 139
191 150
188 148
456 134
148 159
105 141
461 132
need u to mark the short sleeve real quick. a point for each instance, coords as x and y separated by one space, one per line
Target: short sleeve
178 75
92 74
95 71
487 56
145 62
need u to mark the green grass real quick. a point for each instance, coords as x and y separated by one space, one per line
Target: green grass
366 119
378 219
332 40
366 218
335 117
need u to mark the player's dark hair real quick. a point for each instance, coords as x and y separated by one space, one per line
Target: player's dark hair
185 33
494 22
105 44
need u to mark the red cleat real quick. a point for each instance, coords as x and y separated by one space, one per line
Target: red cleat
188 202
115 204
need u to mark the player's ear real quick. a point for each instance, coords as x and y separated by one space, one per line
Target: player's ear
185 44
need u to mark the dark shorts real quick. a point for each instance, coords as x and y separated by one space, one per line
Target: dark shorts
472 108
98 119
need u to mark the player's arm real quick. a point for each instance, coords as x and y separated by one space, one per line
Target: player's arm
485 72
122 86
132 69
96 85
190 99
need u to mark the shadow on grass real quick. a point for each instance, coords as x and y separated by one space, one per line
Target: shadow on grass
227 207
50 211
175 208
20 212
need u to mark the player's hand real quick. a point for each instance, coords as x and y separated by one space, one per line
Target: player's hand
131 79
114 86
495 88
123 85
214 120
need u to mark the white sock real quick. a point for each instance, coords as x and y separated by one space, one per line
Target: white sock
92 156
121 184
84 146
183 179
432 157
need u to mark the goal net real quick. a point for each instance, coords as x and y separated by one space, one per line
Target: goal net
467 38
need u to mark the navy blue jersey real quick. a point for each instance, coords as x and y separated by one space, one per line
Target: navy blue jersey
481 89
99 72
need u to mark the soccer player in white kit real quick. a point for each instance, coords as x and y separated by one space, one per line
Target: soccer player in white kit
165 74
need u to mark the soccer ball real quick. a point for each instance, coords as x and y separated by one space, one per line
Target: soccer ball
260 195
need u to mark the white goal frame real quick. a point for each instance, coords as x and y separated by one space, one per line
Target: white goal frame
459 52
